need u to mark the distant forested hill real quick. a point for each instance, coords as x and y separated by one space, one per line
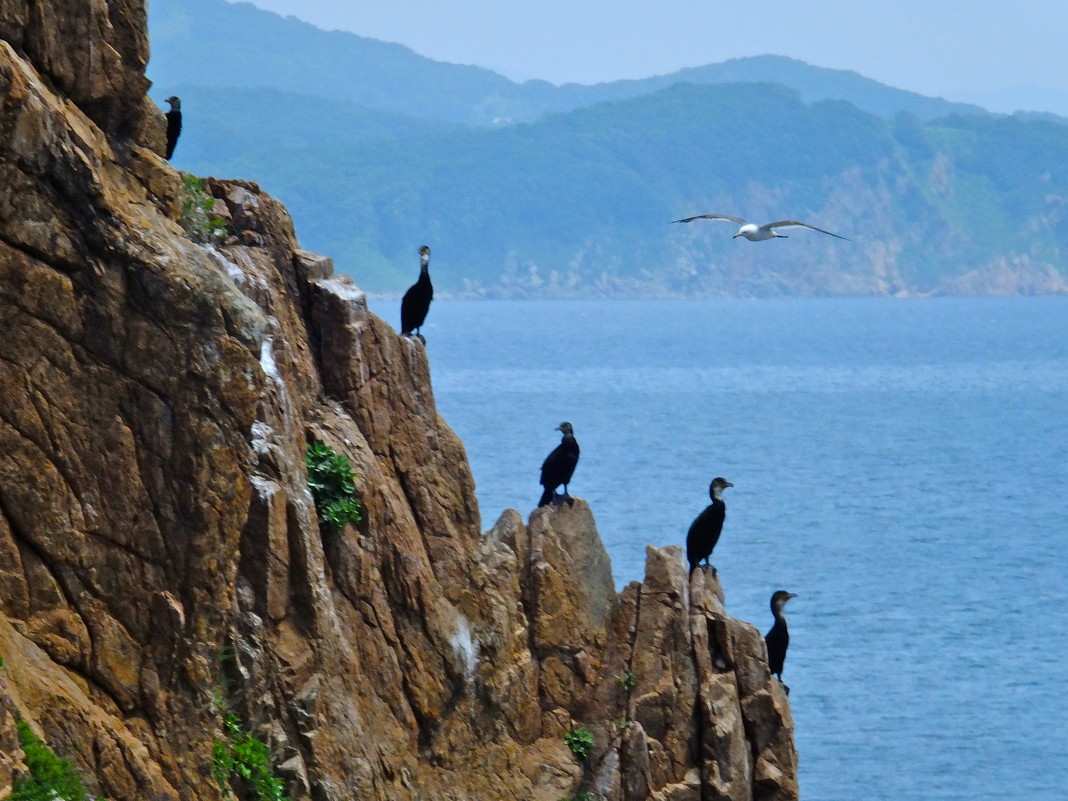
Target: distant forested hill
214 43
377 150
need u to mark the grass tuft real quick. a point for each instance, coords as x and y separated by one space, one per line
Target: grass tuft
51 777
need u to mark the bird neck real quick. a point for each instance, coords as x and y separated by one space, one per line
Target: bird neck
780 615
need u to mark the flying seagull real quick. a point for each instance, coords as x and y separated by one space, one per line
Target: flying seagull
758 233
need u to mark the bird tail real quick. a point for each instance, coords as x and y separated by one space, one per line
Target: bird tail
546 496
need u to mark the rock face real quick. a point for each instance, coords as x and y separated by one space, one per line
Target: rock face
10 752
160 557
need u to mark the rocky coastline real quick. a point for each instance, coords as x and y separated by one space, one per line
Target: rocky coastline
165 583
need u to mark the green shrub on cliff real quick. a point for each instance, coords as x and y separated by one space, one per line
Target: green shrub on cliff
196 219
580 741
331 481
245 757
627 680
51 777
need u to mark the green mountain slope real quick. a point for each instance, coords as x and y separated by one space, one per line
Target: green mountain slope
581 203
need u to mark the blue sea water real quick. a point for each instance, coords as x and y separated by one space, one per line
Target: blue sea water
901 465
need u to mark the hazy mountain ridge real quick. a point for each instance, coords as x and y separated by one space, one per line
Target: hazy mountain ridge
214 43
579 202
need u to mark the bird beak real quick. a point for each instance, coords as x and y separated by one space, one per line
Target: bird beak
729 484
735 236
791 595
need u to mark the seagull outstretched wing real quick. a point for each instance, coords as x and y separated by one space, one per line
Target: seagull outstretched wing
727 217
788 223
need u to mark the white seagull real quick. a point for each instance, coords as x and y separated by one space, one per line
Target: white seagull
758 233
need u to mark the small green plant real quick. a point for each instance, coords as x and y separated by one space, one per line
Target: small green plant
244 756
627 680
50 777
580 741
196 218
330 479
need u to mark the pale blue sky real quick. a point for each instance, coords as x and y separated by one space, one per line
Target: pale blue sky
1008 53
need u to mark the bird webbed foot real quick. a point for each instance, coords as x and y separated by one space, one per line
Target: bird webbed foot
559 499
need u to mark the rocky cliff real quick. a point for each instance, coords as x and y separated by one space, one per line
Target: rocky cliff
162 567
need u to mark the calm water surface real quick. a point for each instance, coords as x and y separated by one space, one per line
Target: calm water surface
900 465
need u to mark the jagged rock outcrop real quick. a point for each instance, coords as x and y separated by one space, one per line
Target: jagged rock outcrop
160 555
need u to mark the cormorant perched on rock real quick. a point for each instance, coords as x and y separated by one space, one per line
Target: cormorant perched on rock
559 465
705 529
416 301
174 124
778 638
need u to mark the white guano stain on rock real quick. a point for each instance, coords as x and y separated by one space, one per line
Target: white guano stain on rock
464 646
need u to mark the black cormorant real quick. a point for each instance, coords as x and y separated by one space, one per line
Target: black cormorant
416 301
174 124
778 638
705 529
559 465
758 233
